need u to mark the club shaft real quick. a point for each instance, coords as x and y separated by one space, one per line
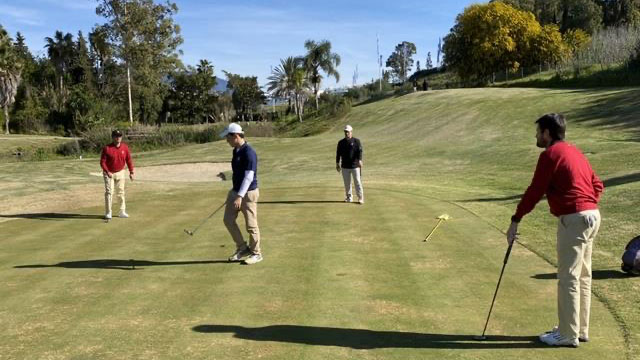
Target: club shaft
434 230
495 294
207 218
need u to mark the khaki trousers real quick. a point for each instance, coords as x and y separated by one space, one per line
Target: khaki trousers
576 233
249 209
346 176
116 181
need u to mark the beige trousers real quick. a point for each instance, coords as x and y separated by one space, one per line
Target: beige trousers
249 209
346 176
116 181
576 233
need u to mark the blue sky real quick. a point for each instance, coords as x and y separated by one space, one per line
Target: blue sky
248 37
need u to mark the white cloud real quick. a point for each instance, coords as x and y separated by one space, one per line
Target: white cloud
22 15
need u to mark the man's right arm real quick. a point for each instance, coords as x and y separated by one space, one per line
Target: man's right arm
338 157
103 160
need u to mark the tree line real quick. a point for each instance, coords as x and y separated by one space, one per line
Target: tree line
124 70
510 35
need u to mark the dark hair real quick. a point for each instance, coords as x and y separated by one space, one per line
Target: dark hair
116 133
554 123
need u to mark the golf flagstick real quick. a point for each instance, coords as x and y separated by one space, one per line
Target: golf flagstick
441 218
205 220
495 294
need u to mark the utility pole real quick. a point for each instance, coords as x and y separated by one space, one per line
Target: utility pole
379 63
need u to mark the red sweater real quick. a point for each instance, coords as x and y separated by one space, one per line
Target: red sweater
114 158
564 174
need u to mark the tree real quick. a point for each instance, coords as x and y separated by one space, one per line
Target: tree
145 38
418 66
10 69
549 46
488 38
400 61
284 82
621 12
429 62
319 58
576 40
567 14
247 95
191 93
439 51
60 51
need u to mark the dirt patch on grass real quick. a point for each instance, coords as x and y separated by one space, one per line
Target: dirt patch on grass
188 172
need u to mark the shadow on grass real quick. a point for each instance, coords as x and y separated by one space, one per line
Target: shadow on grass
52 216
595 274
496 199
622 180
368 339
618 110
293 202
118 264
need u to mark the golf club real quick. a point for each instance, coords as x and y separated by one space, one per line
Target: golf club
441 218
204 221
506 258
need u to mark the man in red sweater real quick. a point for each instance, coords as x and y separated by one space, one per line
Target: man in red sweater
573 191
113 159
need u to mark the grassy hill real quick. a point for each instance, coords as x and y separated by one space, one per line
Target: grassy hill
339 281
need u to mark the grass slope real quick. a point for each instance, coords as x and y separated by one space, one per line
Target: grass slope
339 281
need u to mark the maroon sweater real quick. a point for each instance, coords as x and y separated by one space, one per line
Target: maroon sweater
114 158
564 174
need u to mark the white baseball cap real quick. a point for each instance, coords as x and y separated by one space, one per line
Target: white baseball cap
348 128
233 128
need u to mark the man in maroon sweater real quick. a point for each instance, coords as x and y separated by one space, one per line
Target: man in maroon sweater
573 191
113 159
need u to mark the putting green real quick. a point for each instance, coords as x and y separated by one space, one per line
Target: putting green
338 281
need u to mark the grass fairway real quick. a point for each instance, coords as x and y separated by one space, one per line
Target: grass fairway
339 281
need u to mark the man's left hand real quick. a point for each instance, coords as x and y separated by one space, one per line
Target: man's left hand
237 203
131 176
360 163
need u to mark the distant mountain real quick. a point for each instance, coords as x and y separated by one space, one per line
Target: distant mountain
221 85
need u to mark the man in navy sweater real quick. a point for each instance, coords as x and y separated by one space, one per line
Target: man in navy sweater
243 197
573 191
350 152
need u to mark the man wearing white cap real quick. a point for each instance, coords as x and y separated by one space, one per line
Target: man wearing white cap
349 160
243 197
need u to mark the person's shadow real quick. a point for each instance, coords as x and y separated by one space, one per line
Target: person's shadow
52 216
368 339
595 275
118 264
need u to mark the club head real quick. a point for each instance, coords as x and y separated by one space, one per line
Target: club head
443 217
188 232
480 338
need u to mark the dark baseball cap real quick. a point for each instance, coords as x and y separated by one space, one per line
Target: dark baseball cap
116 133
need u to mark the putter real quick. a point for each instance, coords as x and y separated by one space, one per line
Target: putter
192 232
506 258
441 218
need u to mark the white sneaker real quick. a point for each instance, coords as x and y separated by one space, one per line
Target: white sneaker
107 216
253 259
123 215
361 201
556 339
348 200
239 254
581 338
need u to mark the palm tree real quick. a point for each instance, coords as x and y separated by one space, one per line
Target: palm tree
320 58
289 80
60 51
9 75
